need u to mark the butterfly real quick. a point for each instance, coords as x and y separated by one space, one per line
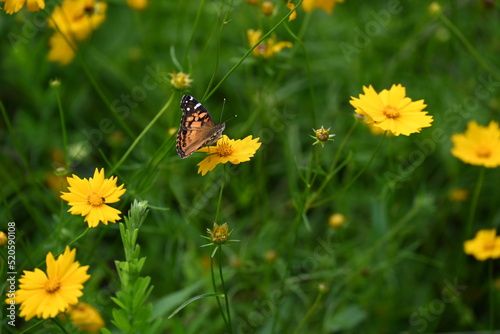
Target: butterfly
198 128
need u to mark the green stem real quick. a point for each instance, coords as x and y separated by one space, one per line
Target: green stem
468 45
195 25
351 182
217 48
219 201
78 237
366 165
491 294
58 323
139 137
331 173
266 35
473 204
215 290
228 312
309 312
90 75
63 126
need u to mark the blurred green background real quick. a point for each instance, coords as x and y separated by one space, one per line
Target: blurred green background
388 268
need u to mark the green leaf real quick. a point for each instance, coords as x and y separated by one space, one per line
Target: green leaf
194 299
169 302
345 319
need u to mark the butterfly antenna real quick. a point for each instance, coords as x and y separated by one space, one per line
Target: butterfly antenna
222 112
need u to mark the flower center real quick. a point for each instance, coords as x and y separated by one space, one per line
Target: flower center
489 244
483 152
95 200
391 112
52 285
224 150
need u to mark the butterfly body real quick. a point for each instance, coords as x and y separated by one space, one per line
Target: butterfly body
197 129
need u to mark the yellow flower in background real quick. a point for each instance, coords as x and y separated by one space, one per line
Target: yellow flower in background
267 8
228 150
484 246
327 5
85 317
336 220
267 48
13 6
390 110
73 21
292 16
45 295
90 197
479 145
180 80
459 195
137 4
3 239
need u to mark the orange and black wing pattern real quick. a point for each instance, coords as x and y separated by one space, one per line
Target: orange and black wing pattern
197 128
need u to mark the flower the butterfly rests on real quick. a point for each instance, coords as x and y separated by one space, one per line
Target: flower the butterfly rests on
198 128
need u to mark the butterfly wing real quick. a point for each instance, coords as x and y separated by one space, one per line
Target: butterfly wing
197 128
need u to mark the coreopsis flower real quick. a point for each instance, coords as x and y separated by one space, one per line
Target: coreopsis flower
322 135
484 246
137 4
228 150
267 8
90 198
326 5
391 110
336 220
44 295
13 6
434 8
458 195
479 145
3 239
292 16
180 80
267 48
73 20
219 234
85 318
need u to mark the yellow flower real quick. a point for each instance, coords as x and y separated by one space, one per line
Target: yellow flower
13 6
75 19
267 8
434 8
391 110
137 4
3 239
484 246
479 145
267 48
85 317
326 5
292 16
228 150
459 195
336 220
44 295
180 80
220 233
90 197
